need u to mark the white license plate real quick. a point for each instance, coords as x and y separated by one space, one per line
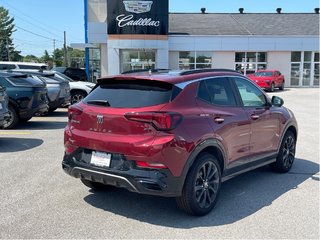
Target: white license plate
100 159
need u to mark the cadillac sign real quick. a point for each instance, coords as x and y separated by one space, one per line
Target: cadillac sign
137 17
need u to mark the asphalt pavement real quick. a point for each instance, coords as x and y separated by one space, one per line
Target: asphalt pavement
38 200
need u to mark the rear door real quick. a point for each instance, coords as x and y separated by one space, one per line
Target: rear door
229 121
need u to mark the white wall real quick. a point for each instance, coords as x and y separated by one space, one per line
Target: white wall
174 60
104 59
281 61
224 60
243 43
97 10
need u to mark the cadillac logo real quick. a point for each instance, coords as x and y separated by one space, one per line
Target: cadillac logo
99 119
138 6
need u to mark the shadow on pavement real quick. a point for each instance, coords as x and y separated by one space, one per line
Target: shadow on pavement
41 125
239 198
8 145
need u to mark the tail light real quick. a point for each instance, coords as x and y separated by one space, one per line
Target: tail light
150 165
73 113
162 121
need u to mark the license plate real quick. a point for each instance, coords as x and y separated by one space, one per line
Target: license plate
100 159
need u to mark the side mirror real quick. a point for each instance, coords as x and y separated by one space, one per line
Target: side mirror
277 101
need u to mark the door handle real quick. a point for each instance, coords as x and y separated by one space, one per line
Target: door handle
218 120
254 116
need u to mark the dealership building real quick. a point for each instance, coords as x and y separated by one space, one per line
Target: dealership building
123 35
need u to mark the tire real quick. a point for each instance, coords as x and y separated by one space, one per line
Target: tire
286 154
25 119
13 119
281 88
94 185
77 96
201 187
51 110
271 89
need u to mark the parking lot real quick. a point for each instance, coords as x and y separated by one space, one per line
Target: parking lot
38 200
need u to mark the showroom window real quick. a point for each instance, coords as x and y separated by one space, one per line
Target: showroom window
304 68
250 62
194 60
137 59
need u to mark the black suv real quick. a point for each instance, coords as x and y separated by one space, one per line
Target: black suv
76 74
4 114
58 89
27 97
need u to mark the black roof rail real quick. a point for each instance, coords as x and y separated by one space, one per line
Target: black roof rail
153 70
188 72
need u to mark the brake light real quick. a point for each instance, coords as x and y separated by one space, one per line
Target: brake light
150 165
160 120
73 112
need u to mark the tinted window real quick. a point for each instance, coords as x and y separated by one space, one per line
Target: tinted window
25 81
31 67
251 95
217 91
7 66
131 94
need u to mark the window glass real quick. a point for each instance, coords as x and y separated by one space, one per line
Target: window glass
203 92
250 62
203 59
295 74
240 57
137 59
251 96
7 66
219 91
295 56
131 94
192 60
307 56
316 56
316 74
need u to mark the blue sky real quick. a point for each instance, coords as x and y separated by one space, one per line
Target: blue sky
49 18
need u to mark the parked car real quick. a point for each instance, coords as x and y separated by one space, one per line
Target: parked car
78 90
177 134
4 113
27 97
58 89
268 79
22 65
76 74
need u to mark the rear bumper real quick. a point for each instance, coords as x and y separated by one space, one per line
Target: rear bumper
124 174
39 110
60 102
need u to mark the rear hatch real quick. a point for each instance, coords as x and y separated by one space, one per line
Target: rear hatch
118 116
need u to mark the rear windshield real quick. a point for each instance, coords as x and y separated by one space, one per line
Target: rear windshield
132 94
25 81
263 74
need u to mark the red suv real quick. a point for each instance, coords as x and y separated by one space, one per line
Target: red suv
177 134
268 79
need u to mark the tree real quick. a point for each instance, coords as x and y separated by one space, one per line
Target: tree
6 29
30 58
58 57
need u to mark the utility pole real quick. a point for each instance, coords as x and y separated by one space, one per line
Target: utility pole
65 50
53 55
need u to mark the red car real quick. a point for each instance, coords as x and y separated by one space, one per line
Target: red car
268 79
176 134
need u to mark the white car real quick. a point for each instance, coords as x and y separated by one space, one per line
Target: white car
78 89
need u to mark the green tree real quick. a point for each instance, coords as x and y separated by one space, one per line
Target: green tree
58 57
30 58
6 29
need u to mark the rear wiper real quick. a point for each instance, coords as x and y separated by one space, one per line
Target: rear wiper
104 103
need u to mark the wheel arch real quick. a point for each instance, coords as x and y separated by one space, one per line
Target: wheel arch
78 90
211 146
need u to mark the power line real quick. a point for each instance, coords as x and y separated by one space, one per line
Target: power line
36 34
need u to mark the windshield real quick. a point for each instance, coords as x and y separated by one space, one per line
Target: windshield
263 74
63 77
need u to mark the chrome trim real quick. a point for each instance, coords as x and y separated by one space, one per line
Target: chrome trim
106 174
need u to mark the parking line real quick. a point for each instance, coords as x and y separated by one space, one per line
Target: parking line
14 133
